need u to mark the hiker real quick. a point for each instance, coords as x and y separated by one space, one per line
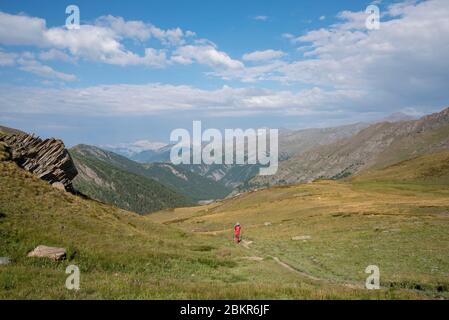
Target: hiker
237 230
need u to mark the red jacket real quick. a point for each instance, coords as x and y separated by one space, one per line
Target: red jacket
237 230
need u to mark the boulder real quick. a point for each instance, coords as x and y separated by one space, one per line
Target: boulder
4 260
55 254
301 238
58 185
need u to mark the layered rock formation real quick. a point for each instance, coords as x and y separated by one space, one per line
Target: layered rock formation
48 159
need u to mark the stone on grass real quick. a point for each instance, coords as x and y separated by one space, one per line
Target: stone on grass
55 254
4 260
58 185
301 238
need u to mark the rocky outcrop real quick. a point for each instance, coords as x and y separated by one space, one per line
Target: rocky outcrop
48 159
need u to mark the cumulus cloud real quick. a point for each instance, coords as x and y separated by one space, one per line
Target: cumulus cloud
407 54
404 64
263 55
21 30
205 54
100 42
128 29
103 41
54 54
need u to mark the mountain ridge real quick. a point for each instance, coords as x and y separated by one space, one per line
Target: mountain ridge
110 182
376 146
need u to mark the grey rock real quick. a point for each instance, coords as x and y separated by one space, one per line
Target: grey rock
4 260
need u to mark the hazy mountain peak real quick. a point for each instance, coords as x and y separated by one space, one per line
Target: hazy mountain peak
398 117
133 148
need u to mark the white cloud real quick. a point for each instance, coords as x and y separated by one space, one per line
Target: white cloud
402 55
21 30
26 62
322 18
266 71
207 55
54 54
128 29
45 71
155 99
263 55
404 64
101 42
7 59
261 18
288 36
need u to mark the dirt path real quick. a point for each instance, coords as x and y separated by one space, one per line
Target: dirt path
285 265
246 243
301 273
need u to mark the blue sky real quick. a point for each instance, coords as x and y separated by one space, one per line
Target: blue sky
136 71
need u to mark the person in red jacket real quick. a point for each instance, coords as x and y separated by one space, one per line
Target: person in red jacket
237 231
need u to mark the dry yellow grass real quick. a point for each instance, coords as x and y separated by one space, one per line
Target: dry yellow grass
400 225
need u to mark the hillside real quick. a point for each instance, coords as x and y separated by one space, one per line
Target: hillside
8 130
122 255
296 142
177 178
377 146
330 231
432 169
113 179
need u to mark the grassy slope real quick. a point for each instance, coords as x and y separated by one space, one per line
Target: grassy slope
397 219
124 255
121 188
7 130
428 170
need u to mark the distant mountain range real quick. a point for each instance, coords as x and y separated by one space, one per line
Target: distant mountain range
145 181
291 143
376 146
131 149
